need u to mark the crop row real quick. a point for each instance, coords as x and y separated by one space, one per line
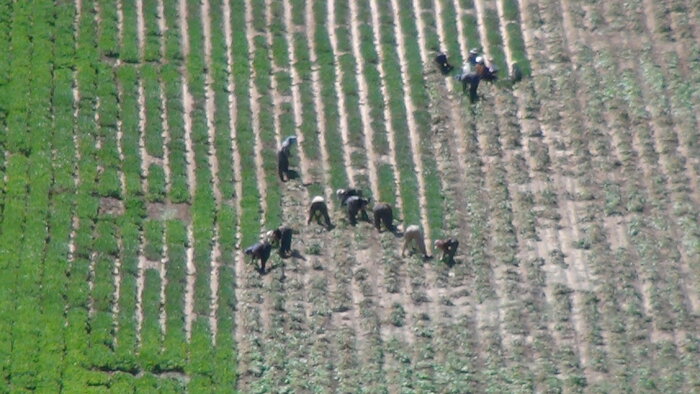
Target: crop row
27 172
376 102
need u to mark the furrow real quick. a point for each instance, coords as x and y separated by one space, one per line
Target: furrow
214 165
187 106
165 135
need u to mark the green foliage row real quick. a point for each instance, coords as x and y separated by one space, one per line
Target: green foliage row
28 265
222 118
266 129
129 50
150 347
126 78
249 201
153 37
419 95
494 40
309 120
325 62
175 346
375 101
153 133
396 102
179 189
449 23
203 204
350 91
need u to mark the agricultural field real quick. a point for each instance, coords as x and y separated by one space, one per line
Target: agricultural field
138 143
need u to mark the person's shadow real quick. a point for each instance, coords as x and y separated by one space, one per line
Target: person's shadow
296 255
292 174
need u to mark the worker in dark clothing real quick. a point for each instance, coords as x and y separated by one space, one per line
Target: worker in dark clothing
318 209
473 54
448 247
356 205
281 237
441 61
259 251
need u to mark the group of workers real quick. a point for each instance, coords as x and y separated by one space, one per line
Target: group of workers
473 71
354 204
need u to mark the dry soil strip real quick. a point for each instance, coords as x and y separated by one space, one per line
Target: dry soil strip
140 28
165 134
122 186
191 179
410 110
368 130
214 164
75 221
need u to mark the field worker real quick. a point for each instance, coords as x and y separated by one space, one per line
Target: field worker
413 239
318 210
281 237
283 164
473 54
259 251
344 194
448 247
357 205
491 70
480 68
287 144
